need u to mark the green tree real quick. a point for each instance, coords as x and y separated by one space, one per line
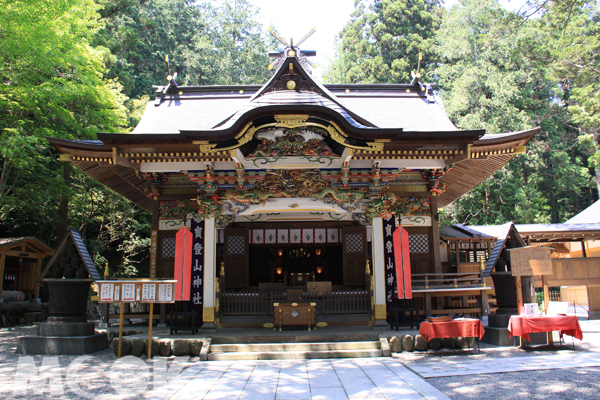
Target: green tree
570 47
487 80
382 41
207 43
52 85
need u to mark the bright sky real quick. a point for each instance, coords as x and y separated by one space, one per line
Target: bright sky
296 19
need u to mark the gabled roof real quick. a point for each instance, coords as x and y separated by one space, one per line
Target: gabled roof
570 232
197 110
72 237
502 232
589 215
28 244
458 231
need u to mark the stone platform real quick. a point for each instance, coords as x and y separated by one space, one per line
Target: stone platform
497 333
64 339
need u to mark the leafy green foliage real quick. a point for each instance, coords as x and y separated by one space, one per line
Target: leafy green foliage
207 43
72 68
382 41
488 82
571 47
52 85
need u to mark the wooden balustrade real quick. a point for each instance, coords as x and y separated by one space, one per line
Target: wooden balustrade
447 280
261 304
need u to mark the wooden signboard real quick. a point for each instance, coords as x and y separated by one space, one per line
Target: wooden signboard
139 291
529 261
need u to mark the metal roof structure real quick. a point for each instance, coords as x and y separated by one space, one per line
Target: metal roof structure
589 215
74 237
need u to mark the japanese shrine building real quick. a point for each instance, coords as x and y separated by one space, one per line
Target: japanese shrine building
293 180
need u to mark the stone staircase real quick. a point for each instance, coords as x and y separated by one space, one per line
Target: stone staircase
297 347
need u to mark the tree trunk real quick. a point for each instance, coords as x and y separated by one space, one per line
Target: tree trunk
63 207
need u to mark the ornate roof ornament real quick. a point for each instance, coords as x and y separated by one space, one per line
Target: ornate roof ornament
292 51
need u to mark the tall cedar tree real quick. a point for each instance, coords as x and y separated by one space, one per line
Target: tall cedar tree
382 41
486 81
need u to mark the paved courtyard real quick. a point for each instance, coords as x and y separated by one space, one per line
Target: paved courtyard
366 378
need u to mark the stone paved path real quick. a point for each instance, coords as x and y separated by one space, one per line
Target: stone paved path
365 378
440 368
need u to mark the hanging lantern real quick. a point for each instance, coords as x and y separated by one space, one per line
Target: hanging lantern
279 270
279 253
318 251
319 269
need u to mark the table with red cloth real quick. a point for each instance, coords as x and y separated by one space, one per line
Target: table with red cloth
452 329
524 325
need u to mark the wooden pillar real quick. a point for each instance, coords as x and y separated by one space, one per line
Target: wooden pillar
435 233
546 293
2 261
377 251
583 249
519 294
210 264
154 238
593 292
36 277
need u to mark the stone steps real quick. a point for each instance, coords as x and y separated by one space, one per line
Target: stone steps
286 350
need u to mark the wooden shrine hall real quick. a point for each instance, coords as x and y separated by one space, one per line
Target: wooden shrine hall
286 188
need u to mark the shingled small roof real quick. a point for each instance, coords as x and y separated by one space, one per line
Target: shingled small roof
73 236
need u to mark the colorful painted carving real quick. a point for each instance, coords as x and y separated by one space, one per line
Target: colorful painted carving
390 204
209 180
152 191
433 176
240 175
154 177
300 141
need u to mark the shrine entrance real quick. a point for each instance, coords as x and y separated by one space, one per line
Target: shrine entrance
323 264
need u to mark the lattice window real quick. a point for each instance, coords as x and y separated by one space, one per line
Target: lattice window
355 243
168 247
236 245
418 243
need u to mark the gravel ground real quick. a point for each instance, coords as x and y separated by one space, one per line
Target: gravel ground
567 383
101 376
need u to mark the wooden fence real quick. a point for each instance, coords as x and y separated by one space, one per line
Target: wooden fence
261 304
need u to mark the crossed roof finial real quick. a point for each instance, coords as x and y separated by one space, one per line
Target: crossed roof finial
291 50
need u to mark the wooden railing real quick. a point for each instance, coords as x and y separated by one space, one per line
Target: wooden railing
261 304
447 280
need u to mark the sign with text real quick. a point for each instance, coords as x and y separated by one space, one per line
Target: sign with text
528 261
137 290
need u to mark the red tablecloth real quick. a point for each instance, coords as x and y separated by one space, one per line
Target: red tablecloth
523 326
452 329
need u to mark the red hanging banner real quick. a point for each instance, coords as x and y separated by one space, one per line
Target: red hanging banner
402 258
183 263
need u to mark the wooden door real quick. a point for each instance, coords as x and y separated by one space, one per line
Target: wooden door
354 245
235 256
421 250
